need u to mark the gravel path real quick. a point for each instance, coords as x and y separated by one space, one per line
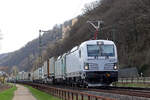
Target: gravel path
22 93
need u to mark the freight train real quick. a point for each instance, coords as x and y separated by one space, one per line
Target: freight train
92 63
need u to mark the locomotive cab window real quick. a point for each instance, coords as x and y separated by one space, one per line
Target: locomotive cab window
107 50
92 50
100 50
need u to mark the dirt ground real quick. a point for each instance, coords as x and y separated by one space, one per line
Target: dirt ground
22 93
4 87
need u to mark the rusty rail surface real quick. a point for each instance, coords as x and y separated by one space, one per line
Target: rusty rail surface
66 94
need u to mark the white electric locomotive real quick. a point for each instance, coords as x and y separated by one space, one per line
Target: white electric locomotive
93 63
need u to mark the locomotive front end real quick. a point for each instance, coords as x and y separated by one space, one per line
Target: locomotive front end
100 66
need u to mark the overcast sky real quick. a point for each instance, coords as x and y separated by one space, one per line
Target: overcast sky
20 20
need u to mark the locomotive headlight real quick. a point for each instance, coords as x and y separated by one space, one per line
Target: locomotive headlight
86 66
115 67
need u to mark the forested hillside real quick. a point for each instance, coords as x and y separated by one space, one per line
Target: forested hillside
126 22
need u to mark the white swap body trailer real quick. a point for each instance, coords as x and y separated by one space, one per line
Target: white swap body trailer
93 63
27 76
38 75
21 75
45 69
51 67
60 69
48 70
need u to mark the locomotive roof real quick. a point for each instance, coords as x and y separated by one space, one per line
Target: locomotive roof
95 42
85 43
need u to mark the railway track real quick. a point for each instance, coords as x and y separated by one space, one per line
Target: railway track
131 91
137 92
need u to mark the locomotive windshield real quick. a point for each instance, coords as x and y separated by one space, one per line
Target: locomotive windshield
100 50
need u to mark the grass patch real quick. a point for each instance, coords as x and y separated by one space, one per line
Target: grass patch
39 95
7 94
